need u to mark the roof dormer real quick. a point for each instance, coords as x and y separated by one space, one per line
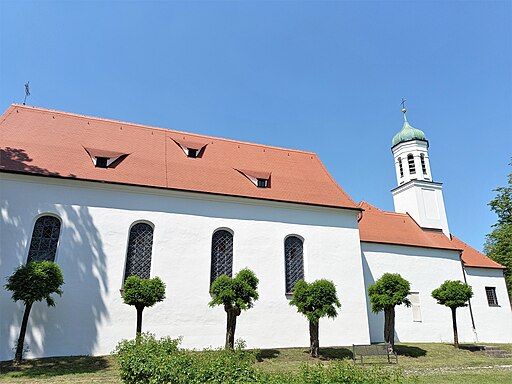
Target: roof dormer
260 179
104 158
192 149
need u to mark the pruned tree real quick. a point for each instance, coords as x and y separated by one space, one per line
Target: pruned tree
236 294
142 293
453 294
386 293
498 245
315 300
30 283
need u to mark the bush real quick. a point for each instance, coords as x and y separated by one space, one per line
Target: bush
152 361
337 372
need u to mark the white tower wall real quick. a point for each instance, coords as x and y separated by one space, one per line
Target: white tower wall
416 193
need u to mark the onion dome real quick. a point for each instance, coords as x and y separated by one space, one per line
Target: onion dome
408 133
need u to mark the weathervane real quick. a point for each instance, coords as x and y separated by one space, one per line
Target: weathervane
27 91
403 105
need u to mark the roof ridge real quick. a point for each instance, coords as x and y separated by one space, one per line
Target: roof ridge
165 130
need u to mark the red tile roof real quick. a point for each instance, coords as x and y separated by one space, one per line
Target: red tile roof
377 226
42 141
472 258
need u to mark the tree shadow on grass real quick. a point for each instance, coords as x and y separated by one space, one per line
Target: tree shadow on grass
407 350
57 366
335 353
264 354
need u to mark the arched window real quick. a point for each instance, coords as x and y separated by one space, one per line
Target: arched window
138 255
222 254
423 166
45 237
294 261
412 167
401 167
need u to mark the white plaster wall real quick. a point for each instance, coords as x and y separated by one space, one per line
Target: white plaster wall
425 269
90 317
424 202
493 324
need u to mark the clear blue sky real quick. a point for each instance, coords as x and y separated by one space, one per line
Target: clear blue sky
321 76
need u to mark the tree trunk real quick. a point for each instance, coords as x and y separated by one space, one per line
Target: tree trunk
232 313
455 335
314 343
139 320
21 340
389 326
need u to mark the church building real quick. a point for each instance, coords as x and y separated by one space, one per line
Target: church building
107 199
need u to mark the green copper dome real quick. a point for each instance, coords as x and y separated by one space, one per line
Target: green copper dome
408 133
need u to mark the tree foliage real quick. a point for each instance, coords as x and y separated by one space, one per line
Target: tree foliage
239 291
142 293
315 300
390 290
236 294
453 294
498 245
36 281
30 283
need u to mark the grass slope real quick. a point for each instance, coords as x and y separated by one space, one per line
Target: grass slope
424 363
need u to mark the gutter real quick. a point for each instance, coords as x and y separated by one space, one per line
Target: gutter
469 301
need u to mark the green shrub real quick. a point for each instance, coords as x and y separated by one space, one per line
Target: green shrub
152 361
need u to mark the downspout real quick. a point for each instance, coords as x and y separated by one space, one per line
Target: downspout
360 215
469 301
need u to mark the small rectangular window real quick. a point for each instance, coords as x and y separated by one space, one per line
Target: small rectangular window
262 183
492 299
101 162
192 153
414 298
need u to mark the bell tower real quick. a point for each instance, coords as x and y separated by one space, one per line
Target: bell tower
417 193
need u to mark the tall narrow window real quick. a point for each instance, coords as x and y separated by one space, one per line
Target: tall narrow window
410 160
414 298
138 256
423 166
294 261
45 237
492 299
222 254
400 166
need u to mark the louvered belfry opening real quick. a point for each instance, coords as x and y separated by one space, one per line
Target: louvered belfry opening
412 167
222 254
294 260
45 237
138 256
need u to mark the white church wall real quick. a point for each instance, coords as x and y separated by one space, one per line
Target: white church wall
425 269
90 317
493 323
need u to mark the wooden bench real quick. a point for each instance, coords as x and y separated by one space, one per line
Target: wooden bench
361 350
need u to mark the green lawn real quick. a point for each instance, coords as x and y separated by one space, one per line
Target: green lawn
424 363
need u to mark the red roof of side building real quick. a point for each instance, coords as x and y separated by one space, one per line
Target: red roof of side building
472 258
46 142
377 226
